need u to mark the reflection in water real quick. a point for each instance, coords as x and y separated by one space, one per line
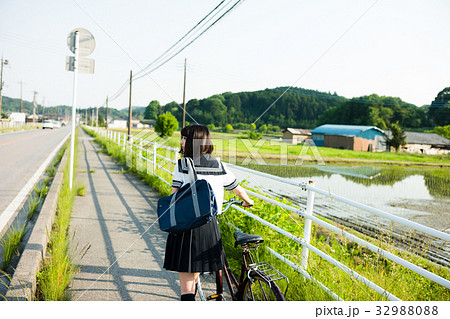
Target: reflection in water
419 195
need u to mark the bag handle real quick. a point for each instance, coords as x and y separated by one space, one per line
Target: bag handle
193 187
191 170
192 180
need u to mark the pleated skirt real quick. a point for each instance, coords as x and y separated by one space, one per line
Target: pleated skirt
196 250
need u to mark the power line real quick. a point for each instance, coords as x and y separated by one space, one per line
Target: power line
139 75
182 38
184 47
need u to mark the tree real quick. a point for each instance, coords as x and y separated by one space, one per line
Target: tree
228 128
101 120
166 124
153 110
263 128
397 138
443 131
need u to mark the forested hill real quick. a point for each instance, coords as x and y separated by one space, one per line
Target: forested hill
298 108
301 108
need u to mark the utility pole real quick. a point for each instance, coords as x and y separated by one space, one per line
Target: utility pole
34 106
3 62
43 110
184 95
130 111
106 115
21 85
96 117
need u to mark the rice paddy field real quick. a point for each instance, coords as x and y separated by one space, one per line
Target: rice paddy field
416 188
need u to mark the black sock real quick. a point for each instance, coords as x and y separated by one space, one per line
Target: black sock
188 297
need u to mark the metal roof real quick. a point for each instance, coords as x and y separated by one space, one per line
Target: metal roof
343 129
423 138
297 131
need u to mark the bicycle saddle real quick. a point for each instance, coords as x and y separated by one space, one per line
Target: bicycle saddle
243 238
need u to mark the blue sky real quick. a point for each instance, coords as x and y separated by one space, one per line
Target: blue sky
352 47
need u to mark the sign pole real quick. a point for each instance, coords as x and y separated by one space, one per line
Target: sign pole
74 110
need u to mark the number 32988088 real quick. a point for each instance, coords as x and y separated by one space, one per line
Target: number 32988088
407 310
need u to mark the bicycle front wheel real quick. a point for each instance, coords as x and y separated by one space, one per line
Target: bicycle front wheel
257 288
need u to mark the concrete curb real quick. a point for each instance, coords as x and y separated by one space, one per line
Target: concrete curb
23 283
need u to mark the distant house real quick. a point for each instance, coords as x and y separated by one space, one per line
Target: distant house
33 118
295 135
118 124
121 124
352 137
17 117
424 143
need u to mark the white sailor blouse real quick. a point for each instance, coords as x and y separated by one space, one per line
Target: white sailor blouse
210 169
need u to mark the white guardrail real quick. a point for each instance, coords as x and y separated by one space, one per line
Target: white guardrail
146 151
5 125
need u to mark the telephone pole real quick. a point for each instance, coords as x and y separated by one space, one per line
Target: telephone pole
34 106
130 111
106 115
3 62
184 95
21 85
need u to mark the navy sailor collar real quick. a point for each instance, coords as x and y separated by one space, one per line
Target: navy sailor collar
208 165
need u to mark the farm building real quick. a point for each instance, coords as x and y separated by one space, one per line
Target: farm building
425 143
351 137
295 135
118 124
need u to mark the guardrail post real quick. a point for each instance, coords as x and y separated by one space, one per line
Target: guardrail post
124 141
129 150
154 158
139 160
147 162
307 228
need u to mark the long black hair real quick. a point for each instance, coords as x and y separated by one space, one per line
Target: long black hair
198 141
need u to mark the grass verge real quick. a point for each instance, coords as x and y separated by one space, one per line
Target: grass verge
59 268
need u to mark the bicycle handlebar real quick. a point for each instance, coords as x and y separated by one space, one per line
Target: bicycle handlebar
231 202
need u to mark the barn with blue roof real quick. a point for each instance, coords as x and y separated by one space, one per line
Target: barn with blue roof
353 137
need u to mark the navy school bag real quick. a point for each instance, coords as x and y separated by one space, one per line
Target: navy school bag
191 206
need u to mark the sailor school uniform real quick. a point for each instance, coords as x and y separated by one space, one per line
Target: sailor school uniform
199 249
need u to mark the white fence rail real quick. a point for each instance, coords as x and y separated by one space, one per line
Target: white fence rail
5 125
146 152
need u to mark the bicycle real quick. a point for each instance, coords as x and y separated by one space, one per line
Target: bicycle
256 280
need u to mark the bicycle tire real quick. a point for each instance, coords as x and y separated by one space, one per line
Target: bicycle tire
259 289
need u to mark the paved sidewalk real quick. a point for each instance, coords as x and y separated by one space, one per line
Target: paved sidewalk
115 219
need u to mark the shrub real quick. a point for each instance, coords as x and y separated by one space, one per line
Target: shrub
228 128
166 124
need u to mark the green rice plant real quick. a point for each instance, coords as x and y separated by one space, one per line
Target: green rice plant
11 243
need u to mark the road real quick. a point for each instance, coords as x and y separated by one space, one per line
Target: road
21 154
